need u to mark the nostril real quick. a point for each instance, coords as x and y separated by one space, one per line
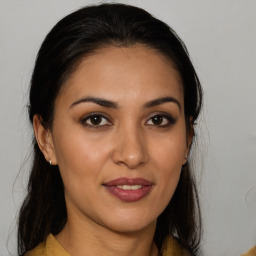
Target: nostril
130 158
130 148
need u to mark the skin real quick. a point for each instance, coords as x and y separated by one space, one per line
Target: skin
125 142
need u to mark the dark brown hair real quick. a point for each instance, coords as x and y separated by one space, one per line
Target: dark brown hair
74 37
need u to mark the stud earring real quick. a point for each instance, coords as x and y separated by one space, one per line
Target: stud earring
186 159
50 162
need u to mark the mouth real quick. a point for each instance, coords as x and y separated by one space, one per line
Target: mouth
129 187
129 190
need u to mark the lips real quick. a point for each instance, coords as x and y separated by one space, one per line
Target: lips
129 190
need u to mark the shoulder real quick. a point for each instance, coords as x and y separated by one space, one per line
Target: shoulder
173 248
251 252
50 247
37 251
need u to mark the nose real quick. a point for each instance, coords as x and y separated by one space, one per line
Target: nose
130 148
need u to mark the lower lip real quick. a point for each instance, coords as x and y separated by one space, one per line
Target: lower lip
129 195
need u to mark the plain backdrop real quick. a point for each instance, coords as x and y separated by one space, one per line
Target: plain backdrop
221 38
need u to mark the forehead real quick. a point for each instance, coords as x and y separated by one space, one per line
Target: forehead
135 70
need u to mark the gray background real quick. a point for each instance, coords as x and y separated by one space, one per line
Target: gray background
221 38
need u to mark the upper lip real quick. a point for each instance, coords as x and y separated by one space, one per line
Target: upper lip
128 181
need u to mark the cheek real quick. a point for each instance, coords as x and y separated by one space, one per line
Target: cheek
168 160
169 173
169 151
79 155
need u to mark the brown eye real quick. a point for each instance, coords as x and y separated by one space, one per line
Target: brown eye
161 120
157 120
95 120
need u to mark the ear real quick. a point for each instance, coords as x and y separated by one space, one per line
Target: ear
190 136
44 140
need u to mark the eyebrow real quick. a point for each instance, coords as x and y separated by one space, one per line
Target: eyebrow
160 101
111 104
102 102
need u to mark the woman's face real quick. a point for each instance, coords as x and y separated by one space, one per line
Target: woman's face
119 138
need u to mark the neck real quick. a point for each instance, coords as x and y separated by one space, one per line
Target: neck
89 238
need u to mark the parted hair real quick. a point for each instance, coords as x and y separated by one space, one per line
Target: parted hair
76 36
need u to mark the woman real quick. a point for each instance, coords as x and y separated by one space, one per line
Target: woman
113 101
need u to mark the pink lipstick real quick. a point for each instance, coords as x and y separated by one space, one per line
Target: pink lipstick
129 190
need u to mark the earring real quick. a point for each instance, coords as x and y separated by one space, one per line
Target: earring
186 159
50 162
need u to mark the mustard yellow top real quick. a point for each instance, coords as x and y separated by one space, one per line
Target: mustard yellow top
251 252
52 248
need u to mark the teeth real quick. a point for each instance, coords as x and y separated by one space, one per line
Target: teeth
130 187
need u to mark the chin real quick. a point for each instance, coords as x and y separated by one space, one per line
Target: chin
131 225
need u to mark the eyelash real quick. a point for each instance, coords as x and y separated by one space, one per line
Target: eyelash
96 114
168 118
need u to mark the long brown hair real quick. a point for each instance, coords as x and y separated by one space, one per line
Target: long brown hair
71 39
